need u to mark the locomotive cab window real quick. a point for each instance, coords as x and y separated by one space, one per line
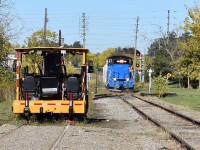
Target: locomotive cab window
110 61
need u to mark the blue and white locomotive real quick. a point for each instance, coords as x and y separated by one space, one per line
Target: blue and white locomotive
118 73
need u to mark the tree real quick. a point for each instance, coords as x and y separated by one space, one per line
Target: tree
163 51
161 63
77 44
7 31
36 39
7 18
74 59
4 47
103 56
188 63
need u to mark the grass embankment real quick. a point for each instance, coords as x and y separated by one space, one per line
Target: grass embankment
187 98
96 86
7 95
5 111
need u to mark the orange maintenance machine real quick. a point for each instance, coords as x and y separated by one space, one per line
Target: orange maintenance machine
43 84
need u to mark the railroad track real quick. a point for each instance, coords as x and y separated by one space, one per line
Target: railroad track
187 118
12 130
177 126
58 140
40 137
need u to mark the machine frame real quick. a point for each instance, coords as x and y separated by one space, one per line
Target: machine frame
57 106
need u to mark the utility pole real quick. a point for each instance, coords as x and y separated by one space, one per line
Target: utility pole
96 80
168 23
140 71
143 66
84 29
59 40
136 32
45 27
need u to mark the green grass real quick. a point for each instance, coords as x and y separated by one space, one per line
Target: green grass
187 98
5 111
101 89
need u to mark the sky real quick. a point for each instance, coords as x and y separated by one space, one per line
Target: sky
109 23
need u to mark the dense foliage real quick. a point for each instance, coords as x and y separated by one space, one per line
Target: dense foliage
162 51
188 64
37 37
179 55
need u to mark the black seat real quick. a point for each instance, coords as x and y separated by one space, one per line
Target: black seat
29 85
73 86
49 87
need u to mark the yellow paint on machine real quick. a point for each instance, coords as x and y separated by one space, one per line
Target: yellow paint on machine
53 106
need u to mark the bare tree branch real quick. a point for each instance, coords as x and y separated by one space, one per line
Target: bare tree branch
8 19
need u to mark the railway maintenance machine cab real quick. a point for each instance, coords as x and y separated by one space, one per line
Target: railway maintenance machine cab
50 89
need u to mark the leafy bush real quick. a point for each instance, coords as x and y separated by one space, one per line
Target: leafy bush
160 85
139 86
7 84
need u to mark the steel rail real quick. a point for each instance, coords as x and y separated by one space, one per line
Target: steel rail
187 118
57 141
7 133
173 135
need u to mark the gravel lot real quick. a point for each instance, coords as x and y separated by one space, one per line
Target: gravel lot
116 127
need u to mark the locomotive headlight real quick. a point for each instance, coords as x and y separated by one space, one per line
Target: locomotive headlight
115 79
127 79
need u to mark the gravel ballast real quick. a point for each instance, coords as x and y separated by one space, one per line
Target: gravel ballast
117 126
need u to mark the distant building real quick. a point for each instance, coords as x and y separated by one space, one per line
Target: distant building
8 63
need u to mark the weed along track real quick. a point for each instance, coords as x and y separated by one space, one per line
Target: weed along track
183 129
